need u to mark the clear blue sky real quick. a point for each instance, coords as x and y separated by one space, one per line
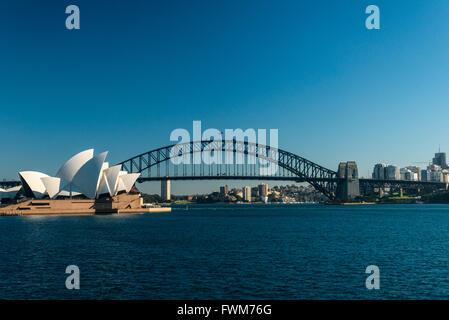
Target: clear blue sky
136 70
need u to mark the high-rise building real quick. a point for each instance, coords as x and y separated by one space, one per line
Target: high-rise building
224 190
392 172
247 193
440 159
425 175
379 171
436 176
254 192
165 189
407 174
416 170
263 190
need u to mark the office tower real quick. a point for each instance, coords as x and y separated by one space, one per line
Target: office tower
247 193
440 159
392 172
416 170
379 171
224 190
263 190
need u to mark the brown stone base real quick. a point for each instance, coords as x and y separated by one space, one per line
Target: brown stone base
131 203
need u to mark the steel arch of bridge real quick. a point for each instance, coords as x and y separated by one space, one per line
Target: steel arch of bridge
294 167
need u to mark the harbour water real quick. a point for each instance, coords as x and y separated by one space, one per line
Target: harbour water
231 252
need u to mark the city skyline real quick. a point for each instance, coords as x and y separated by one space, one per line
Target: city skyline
334 90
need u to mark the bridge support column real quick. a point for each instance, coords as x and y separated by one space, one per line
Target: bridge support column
349 187
165 189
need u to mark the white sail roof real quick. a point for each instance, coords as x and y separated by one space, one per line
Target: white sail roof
120 185
112 178
84 174
66 193
103 186
66 189
9 193
69 169
52 185
87 178
32 180
129 180
102 176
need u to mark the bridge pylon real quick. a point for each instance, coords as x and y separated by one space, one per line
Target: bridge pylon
166 189
348 186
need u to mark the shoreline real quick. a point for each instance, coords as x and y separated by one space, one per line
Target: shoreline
120 204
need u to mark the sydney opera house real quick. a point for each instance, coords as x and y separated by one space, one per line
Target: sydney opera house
85 184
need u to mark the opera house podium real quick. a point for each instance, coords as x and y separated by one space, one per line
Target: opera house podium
120 204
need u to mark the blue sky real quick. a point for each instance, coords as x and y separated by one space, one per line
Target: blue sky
136 70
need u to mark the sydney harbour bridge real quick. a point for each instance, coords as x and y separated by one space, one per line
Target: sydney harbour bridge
242 160
343 184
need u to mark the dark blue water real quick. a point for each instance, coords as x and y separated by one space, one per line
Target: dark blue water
231 252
